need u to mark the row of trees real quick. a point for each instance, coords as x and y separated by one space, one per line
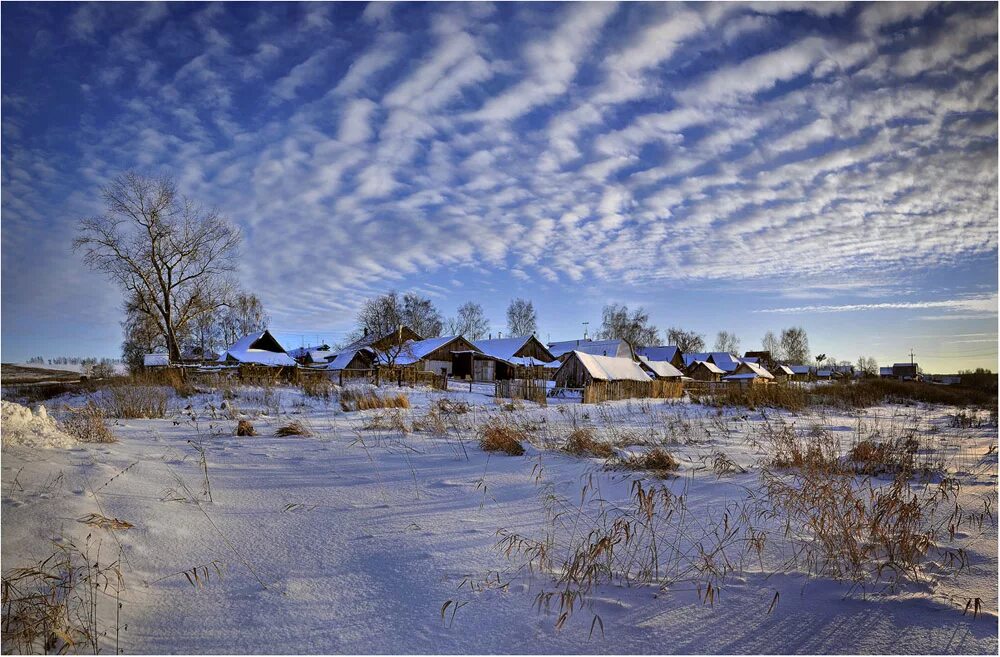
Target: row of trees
385 313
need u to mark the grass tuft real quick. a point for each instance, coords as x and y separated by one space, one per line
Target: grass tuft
581 442
501 435
87 424
245 428
292 429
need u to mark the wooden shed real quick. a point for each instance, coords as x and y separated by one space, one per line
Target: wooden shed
580 369
702 370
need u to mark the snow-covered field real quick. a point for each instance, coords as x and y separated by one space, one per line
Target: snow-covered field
379 532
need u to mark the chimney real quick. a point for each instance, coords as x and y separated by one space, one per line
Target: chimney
491 336
366 331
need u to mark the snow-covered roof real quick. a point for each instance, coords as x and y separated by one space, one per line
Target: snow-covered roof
505 348
757 370
301 352
610 368
714 369
608 348
784 370
415 351
661 368
344 358
751 359
799 369
661 353
740 377
904 364
156 360
258 348
824 373
885 371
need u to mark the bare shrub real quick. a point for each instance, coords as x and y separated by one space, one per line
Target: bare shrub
500 434
452 407
581 442
388 420
245 428
133 402
657 460
292 429
761 396
723 465
87 424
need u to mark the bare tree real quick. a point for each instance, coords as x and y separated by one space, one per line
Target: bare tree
420 315
521 318
142 334
795 345
471 322
686 341
160 248
618 324
867 366
244 314
728 342
772 344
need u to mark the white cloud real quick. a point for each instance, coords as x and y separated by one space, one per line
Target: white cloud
982 303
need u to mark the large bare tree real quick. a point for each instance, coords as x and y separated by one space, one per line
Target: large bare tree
521 318
618 323
471 322
687 341
168 254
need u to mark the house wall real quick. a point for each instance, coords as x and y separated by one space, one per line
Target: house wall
702 373
535 349
572 374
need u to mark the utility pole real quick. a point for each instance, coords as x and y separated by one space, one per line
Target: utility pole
911 355
585 324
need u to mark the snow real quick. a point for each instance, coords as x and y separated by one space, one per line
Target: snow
21 426
609 348
609 368
360 535
714 369
344 359
758 371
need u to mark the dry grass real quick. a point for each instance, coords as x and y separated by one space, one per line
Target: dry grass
245 428
760 396
135 401
97 520
318 387
872 392
500 434
657 461
292 429
451 407
364 399
54 606
581 442
88 425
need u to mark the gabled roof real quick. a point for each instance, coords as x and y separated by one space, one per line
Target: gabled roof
784 370
344 358
505 348
799 369
609 368
373 338
260 348
415 351
751 359
724 360
610 348
692 358
714 369
661 368
301 352
662 353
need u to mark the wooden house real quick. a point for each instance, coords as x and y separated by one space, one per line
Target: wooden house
749 374
581 368
660 369
384 341
505 358
703 370
610 348
436 355
356 359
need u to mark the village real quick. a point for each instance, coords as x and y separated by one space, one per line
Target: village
521 367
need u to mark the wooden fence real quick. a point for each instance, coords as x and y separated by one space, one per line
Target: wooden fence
528 389
600 391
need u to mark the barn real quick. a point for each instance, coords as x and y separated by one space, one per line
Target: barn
258 348
353 359
580 368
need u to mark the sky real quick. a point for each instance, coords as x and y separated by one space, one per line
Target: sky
741 167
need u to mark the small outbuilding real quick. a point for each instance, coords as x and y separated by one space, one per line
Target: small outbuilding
258 348
611 348
505 358
432 355
749 373
667 353
354 359
660 369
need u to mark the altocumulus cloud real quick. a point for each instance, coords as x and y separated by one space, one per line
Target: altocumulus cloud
625 144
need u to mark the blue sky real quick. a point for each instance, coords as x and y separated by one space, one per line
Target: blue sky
727 166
